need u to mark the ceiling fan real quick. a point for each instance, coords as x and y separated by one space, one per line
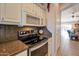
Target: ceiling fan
74 15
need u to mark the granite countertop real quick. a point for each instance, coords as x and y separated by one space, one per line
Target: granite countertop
12 47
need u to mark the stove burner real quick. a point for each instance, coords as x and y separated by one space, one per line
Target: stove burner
30 38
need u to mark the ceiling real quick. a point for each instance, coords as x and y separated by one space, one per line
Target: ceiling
66 13
64 6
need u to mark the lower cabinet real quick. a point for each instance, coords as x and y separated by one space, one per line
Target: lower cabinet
23 53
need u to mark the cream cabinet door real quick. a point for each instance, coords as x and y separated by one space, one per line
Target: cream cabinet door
43 15
45 18
11 12
28 7
0 12
31 9
36 10
23 53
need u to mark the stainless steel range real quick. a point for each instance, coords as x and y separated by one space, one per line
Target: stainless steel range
32 39
29 37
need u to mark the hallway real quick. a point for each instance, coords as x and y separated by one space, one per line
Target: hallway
69 47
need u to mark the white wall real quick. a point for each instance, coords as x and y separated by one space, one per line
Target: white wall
53 25
58 28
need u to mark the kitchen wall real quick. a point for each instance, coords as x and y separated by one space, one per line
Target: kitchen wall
54 26
9 32
47 33
51 27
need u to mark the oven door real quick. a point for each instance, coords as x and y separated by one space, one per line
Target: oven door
42 47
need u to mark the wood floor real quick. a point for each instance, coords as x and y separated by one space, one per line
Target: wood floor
69 47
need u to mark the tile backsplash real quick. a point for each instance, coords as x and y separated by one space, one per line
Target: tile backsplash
9 32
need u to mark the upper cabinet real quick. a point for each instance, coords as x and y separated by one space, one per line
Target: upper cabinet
37 15
43 17
22 14
42 12
0 12
29 15
10 13
27 7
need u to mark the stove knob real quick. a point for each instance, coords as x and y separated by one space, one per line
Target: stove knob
35 41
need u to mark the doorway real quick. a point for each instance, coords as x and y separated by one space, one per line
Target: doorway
69 47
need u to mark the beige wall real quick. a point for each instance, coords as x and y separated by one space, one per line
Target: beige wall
58 28
53 25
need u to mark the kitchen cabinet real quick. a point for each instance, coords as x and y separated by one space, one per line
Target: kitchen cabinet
43 18
0 12
36 13
13 14
28 8
29 15
42 5
34 10
29 20
37 10
31 9
23 53
10 13
42 11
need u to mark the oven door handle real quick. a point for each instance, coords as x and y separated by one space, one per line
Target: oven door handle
37 46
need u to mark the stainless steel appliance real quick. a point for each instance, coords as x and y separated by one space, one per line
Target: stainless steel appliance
29 37
32 39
